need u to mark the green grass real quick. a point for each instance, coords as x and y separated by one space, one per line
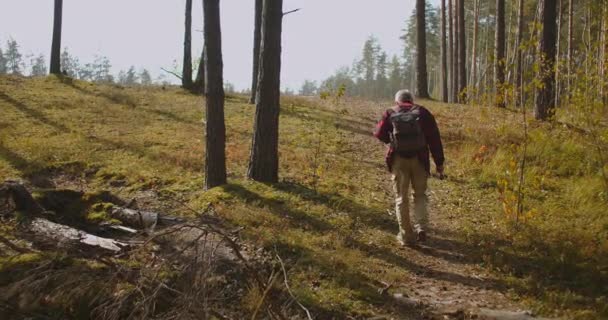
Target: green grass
327 217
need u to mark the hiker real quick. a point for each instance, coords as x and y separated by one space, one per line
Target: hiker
410 131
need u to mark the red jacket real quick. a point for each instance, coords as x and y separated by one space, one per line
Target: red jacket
431 133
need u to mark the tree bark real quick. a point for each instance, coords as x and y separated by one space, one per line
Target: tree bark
199 83
444 58
499 55
545 95
455 77
56 46
570 47
451 64
264 162
187 68
257 38
558 54
422 80
215 155
519 55
474 50
462 55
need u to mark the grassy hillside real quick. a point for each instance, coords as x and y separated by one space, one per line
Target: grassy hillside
327 218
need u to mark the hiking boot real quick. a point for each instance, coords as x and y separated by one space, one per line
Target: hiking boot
421 236
405 241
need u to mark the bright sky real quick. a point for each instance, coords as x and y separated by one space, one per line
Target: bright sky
323 36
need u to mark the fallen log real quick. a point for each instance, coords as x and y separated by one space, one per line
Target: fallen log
68 237
135 218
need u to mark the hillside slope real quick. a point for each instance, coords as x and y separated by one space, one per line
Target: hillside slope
327 219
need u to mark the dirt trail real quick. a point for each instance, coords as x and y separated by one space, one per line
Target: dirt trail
444 278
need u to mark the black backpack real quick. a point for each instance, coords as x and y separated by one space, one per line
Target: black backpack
407 137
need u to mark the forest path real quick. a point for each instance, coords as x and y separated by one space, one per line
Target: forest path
445 275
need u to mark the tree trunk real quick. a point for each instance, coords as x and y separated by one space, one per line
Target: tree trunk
187 70
264 162
519 56
558 54
199 83
444 58
462 55
215 155
570 47
456 77
257 38
474 51
451 65
545 95
499 55
56 46
422 80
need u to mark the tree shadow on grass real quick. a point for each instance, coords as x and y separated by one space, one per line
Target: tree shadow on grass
338 273
18 162
339 121
297 218
375 218
33 113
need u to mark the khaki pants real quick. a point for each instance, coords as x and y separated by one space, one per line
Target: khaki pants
406 172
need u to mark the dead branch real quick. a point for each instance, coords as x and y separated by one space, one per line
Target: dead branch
172 73
292 11
65 236
289 289
13 247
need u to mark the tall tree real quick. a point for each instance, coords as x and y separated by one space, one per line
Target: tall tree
444 58
499 55
3 64
475 37
215 155
454 42
519 56
56 46
38 66
187 65
545 95
569 60
14 59
451 64
462 53
199 83
264 162
257 37
422 83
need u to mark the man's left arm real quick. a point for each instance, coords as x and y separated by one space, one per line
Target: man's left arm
433 138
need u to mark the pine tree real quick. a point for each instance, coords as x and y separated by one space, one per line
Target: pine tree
215 155
56 46
499 55
38 66
422 85
13 57
462 53
144 78
3 63
444 58
70 64
187 65
545 95
264 163
257 38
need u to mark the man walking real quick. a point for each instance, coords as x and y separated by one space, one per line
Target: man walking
411 132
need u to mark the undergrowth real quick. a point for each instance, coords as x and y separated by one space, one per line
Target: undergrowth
327 217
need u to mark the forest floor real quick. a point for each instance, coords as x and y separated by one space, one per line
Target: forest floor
327 221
